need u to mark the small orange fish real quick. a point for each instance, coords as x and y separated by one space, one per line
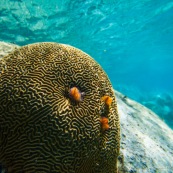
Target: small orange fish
107 100
75 94
104 123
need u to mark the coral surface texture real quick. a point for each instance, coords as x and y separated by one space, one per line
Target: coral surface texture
53 99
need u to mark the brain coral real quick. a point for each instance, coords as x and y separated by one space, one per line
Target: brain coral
42 127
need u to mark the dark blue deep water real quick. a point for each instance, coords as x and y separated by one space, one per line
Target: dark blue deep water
131 39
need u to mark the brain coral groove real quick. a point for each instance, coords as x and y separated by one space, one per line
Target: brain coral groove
42 129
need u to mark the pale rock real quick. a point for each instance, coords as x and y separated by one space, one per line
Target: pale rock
6 48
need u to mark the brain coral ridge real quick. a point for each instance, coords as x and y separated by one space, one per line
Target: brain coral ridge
42 128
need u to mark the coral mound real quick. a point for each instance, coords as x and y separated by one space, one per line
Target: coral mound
42 128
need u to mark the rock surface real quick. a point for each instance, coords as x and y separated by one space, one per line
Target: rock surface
146 141
6 48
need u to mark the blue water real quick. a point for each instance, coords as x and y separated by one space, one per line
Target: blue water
131 39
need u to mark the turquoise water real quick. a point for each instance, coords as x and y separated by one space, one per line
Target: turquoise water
131 39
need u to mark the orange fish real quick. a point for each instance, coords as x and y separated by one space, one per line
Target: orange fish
107 100
104 123
75 94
